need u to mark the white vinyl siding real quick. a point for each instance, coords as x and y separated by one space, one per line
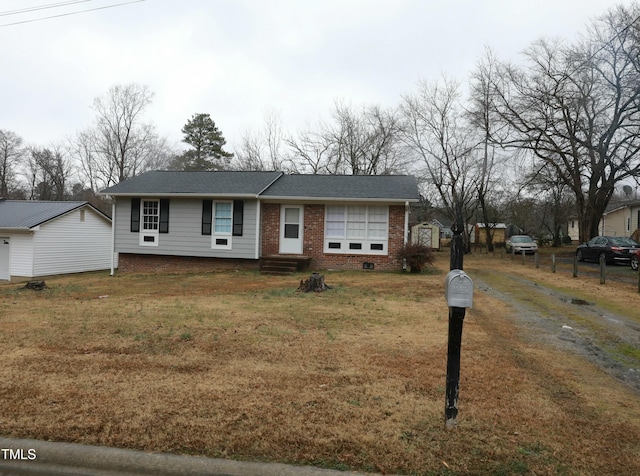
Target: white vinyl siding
185 236
356 229
69 245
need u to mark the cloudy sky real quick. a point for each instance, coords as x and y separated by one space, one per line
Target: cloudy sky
239 60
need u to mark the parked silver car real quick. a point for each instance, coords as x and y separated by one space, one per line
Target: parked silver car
520 243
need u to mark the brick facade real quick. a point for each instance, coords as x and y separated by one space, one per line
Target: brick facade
313 239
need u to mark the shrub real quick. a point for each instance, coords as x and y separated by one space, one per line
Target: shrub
416 256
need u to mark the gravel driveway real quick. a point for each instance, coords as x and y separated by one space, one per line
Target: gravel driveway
573 324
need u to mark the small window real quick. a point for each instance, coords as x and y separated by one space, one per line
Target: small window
222 241
82 215
291 230
377 246
355 246
222 219
149 239
335 246
150 214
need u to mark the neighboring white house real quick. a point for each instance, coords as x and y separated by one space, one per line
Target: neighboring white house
39 238
619 219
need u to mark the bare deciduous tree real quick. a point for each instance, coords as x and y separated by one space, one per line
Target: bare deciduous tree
125 145
11 152
263 150
436 130
47 173
491 132
365 143
577 109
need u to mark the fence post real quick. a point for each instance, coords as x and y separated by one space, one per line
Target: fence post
575 266
553 262
603 269
536 258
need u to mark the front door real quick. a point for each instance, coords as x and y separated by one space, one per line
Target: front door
291 226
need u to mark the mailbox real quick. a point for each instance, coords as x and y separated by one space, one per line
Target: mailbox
458 289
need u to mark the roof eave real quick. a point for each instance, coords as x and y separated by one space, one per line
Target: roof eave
308 199
179 195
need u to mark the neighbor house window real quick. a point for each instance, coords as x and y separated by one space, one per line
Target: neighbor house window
356 229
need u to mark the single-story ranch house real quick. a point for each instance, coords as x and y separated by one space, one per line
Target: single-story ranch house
206 220
40 238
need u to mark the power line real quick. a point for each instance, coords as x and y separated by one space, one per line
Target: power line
41 7
71 13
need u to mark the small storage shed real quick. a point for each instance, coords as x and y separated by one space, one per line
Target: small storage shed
498 233
426 234
41 238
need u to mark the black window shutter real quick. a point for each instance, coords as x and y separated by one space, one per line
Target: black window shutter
135 215
164 216
207 208
238 214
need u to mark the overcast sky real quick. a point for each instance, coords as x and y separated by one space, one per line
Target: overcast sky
241 59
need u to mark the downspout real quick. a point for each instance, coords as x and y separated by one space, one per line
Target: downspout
406 223
258 228
406 232
113 236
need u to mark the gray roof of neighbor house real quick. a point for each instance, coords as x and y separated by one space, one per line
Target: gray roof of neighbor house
26 214
345 187
164 182
273 185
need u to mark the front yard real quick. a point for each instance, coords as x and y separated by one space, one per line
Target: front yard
238 365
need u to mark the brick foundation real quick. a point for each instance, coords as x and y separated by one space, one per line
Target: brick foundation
140 263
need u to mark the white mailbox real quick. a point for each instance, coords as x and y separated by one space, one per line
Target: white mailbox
458 289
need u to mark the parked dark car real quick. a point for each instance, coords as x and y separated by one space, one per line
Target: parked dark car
635 260
615 249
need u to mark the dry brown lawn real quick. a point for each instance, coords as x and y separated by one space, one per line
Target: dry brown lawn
238 365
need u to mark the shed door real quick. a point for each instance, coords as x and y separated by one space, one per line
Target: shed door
291 227
5 256
425 237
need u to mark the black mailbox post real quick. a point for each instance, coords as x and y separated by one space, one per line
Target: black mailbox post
459 295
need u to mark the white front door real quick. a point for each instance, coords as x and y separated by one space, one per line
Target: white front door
291 226
5 256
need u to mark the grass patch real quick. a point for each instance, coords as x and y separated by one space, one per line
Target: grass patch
240 366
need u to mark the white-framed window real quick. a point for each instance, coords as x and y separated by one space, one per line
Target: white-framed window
222 225
150 220
356 229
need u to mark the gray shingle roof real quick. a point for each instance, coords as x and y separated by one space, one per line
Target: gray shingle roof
163 182
271 185
26 214
350 187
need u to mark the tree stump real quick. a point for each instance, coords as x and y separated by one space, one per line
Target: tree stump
315 283
35 285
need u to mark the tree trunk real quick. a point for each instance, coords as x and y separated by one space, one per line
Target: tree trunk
315 283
